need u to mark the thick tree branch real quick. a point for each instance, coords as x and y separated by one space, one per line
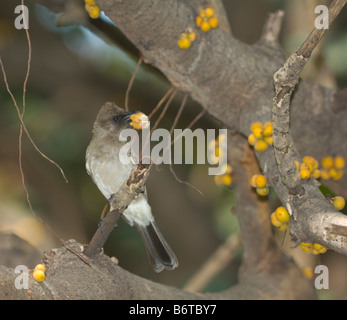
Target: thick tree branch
68 277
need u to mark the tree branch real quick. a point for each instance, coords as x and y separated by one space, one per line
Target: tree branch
304 197
119 202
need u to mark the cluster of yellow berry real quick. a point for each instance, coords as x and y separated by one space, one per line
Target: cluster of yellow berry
216 154
186 38
280 218
261 136
92 9
259 182
206 20
39 273
314 248
308 168
226 178
332 168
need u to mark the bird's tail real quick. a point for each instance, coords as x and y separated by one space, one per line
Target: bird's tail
159 252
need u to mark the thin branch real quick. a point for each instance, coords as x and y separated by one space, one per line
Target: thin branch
24 126
119 202
131 83
172 96
162 100
272 26
179 113
215 264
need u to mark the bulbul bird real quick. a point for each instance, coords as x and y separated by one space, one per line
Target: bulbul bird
108 172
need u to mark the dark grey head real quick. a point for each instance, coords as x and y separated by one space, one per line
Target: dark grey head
111 119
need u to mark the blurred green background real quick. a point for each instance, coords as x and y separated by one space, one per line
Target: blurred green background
75 69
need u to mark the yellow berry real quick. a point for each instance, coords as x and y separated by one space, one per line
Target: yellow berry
252 139
191 36
202 14
213 22
218 180
324 174
39 275
339 163
316 174
308 159
260 181
275 221
283 227
263 191
212 145
268 124
282 214
227 168
209 12
40 267
88 6
327 162
308 272
139 120
339 203
198 21
338 175
307 247
92 2
256 125
94 12
260 145
253 181
267 129
332 173
227 180
205 26
323 250
183 43
297 164
269 140
258 132
221 138
318 246
305 174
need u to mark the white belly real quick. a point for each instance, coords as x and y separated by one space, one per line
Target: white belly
109 174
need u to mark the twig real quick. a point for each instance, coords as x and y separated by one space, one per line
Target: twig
131 83
130 188
179 113
215 264
195 120
272 26
24 126
162 100
166 107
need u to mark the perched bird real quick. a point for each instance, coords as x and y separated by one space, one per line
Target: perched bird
108 172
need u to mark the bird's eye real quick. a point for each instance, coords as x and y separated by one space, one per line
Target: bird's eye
116 118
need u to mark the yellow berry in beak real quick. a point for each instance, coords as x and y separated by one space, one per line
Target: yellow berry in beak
139 121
